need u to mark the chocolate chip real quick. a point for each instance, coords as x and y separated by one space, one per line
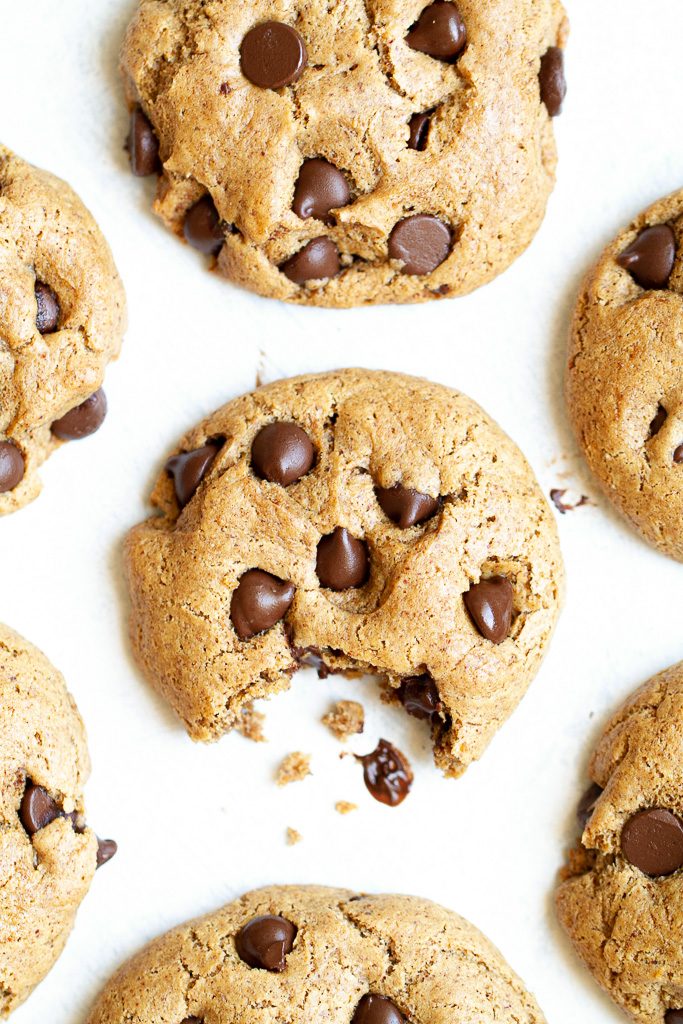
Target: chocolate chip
421 242
552 81
387 774
272 55
319 258
405 506
189 469
282 453
82 421
38 809
374 1009
658 421
678 455
489 603
652 841
259 601
143 145
419 129
342 561
321 187
586 804
202 228
47 314
439 31
650 258
420 697
12 466
673 1017
265 941
106 849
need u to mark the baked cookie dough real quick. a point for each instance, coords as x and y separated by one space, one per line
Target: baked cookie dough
62 317
360 521
622 901
48 855
625 375
348 152
309 953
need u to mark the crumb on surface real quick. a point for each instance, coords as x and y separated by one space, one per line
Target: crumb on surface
345 807
345 719
294 768
293 837
250 724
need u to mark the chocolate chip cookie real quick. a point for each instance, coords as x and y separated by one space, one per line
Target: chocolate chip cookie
625 376
48 855
346 153
358 520
309 953
62 317
622 902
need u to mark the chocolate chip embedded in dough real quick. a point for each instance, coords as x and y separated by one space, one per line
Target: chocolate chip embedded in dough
265 941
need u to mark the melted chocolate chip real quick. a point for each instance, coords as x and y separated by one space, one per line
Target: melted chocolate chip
374 1009
189 469
439 31
202 227
318 259
273 55
658 421
106 849
321 187
419 129
552 81
47 311
259 602
420 697
282 453
404 506
586 804
265 941
421 243
143 145
38 809
342 561
650 258
652 841
489 603
12 466
387 774
82 421
678 455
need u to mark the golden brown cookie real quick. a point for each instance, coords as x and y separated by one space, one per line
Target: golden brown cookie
622 901
346 153
361 520
309 953
625 374
62 317
48 855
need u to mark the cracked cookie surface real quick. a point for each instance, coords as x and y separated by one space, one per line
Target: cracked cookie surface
408 155
622 901
62 317
386 525
625 373
344 958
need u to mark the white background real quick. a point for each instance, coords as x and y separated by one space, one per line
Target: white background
199 825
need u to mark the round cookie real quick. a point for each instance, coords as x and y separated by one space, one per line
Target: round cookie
365 521
625 373
295 953
62 317
348 153
48 855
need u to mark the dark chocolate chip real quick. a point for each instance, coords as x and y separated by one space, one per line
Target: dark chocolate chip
678 455
387 774
489 603
586 804
272 55
189 469
47 312
421 242
38 809
405 506
650 258
419 129
106 849
658 421
652 841
258 602
552 81
420 697
82 421
12 466
342 560
265 942
673 1017
374 1009
439 31
202 227
321 187
319 258
143 145
282 453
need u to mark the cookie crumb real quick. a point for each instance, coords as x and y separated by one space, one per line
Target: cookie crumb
294 768
344 807
250 724
345 719
293 837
